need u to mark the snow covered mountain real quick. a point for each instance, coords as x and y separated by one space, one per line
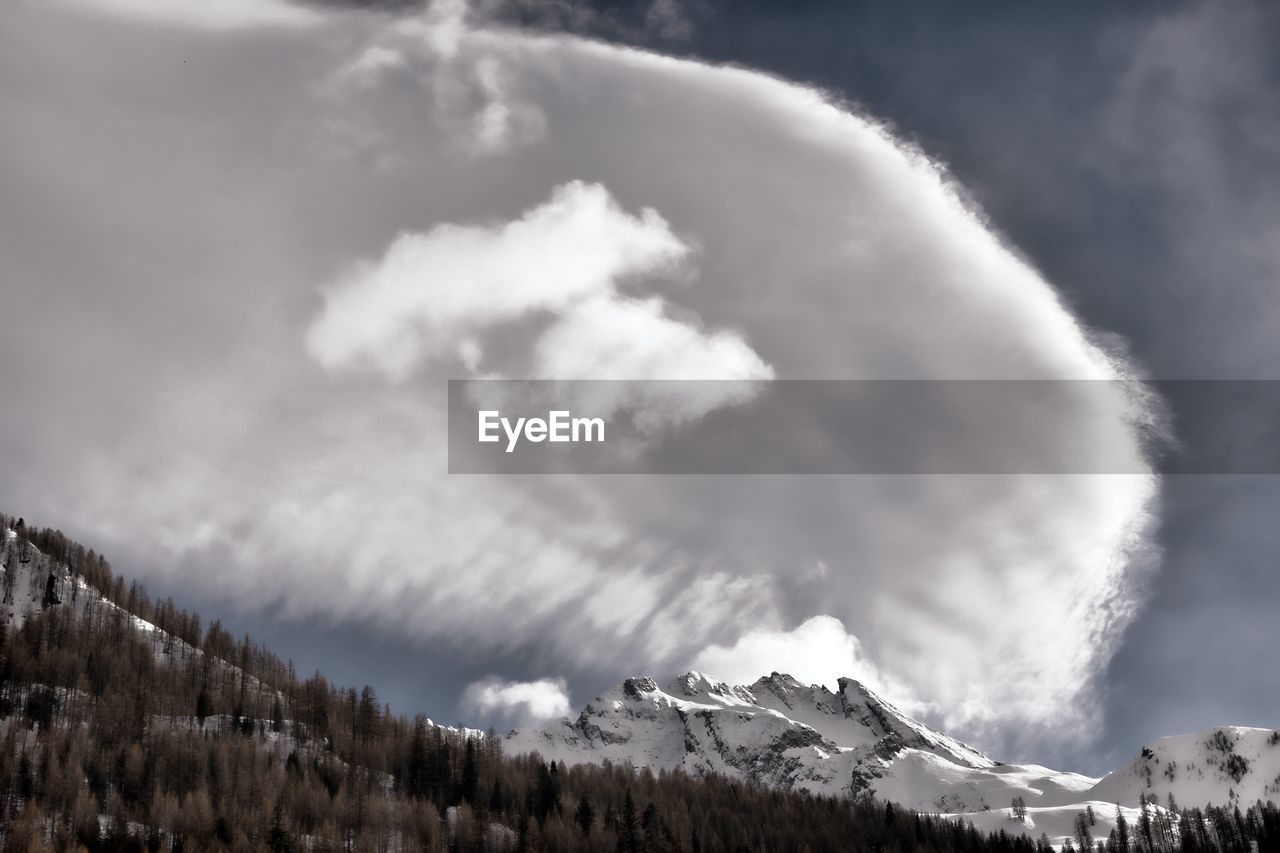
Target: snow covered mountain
783 733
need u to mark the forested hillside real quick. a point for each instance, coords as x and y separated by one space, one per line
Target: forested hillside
130 724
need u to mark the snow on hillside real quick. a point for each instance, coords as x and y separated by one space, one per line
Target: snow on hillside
857 717
24 581
1217 766
783 733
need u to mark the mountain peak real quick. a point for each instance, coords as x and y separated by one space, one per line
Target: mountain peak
699 684
781 682
637 687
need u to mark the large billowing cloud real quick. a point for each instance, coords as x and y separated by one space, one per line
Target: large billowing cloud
398 201
817 651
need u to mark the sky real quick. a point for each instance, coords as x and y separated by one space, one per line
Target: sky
244 246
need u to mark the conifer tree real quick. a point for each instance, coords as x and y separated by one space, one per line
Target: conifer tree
628 827
1122 831
585 815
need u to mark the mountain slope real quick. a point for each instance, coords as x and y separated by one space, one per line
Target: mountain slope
789 735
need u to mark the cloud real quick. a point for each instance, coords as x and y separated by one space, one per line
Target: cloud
817 651
431 293
476 105
655 22
671 217
370 68
619 339
221 15
447 292
667 20
517 702
637 339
